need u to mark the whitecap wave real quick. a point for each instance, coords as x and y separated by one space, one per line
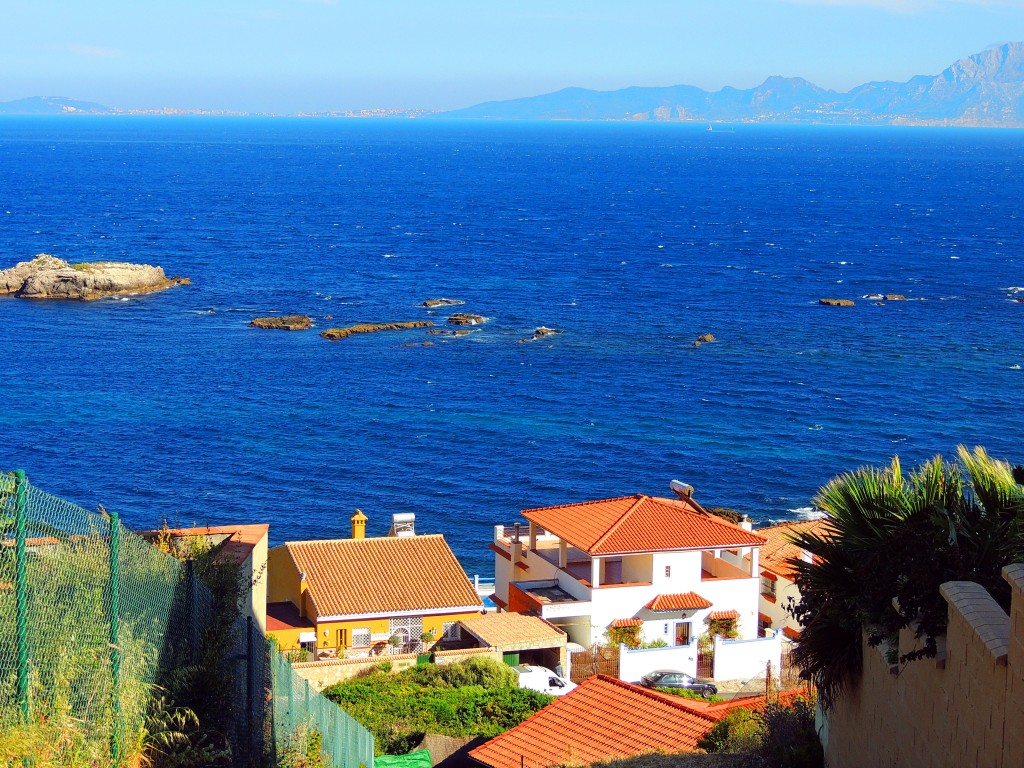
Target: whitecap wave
808 513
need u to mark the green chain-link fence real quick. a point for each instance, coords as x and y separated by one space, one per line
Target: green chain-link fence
297 704
92 614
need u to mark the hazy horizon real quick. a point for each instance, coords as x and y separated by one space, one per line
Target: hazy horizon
290 56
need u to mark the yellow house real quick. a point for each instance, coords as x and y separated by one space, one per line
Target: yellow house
363 597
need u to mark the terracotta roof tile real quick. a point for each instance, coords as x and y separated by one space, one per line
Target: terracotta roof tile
778 552
602 719
682 601
640 523
499 629
718 710
359 577
718 615
619 623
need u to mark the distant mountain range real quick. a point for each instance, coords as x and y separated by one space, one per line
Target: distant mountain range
986 89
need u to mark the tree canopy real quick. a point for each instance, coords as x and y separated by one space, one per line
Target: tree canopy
891 541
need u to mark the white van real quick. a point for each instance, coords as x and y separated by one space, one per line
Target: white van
543 679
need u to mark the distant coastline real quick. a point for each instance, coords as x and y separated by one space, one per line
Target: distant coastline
985 89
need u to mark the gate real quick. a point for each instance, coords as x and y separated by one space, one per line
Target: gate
706 664
595 660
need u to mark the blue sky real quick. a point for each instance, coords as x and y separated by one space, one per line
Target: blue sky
306 55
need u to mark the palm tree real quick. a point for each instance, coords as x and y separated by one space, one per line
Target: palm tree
890 542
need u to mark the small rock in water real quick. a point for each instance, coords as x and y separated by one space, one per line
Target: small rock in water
540 333
895 297
334 334
431 303
283 323
836 302
461 318
706 337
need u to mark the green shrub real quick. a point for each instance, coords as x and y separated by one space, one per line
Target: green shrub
477 697
686 693
738 731
790 739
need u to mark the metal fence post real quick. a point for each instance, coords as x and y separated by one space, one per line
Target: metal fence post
115 651
21 585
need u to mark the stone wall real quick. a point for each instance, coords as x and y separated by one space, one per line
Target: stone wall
964 707
327 672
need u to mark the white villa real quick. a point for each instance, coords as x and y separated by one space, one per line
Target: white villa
665 565
778 570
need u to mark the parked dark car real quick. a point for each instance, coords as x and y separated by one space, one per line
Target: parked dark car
673 678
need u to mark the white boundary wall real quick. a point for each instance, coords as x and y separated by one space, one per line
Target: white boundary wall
634 664
744 659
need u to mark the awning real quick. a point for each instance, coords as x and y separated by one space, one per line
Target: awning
717 615
791 633
769 575
765 619
307 637
619 623
682 601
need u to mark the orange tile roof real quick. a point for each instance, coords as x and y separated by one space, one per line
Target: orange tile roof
640 523
716 711
602 719
682 601
718 615
499 629
778 552
619 623
387 575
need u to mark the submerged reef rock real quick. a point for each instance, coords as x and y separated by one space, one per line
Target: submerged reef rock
284 323
333 334
461 318
47 277
836 302
431 303
895 297
540 333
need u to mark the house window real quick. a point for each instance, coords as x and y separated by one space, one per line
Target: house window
668 571
361 638
768 587
342 638
452 631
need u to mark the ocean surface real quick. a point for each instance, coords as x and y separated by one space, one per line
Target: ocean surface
631 239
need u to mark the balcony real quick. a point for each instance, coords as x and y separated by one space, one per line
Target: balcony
547 598
544 559
719 568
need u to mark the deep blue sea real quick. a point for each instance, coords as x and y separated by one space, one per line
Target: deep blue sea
632 239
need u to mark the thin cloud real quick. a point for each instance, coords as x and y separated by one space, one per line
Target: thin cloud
95 51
